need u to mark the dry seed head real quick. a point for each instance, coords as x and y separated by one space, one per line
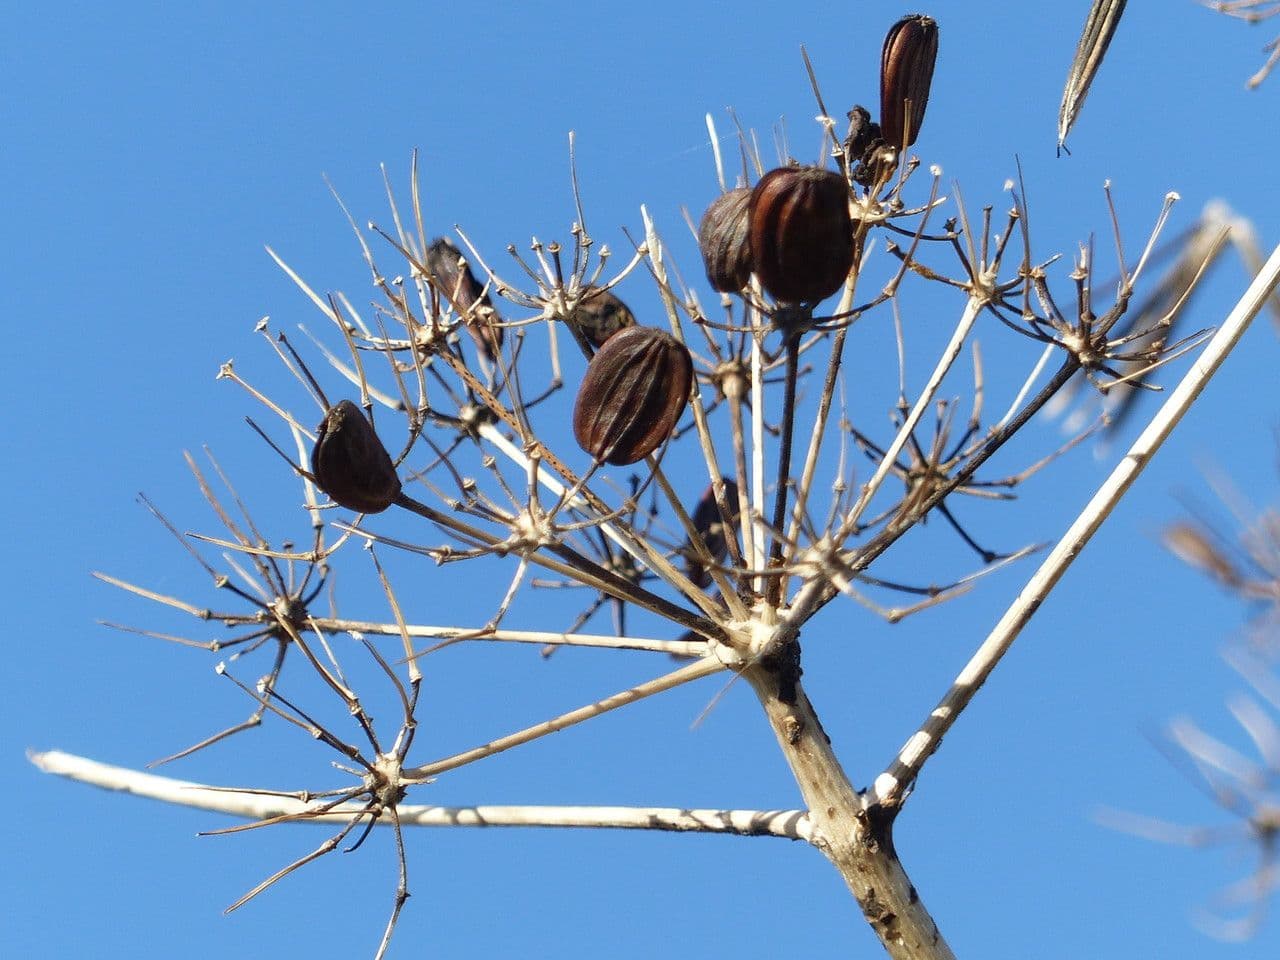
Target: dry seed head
350 463
708 522
634 391
906 72
722 237
801 236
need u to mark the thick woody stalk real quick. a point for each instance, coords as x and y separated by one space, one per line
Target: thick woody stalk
857 839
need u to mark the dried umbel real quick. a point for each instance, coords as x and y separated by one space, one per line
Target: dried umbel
709 523
906 71
800 233
600 314
350 463
458 285
633 393
722 237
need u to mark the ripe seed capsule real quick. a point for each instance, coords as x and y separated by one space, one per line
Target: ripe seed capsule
600 314
722 237
350 463
708 522
632 395
800 233
906 72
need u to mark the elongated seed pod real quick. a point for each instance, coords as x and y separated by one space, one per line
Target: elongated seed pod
906 73
460 288
634 391
723 240
800 233
350 463
710 525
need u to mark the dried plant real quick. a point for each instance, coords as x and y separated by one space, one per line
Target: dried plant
450 451
1253 11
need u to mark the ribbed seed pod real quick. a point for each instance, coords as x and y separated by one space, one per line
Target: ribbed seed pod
350 463
634 391
708 522
800 233
722 237
906 71
458 285
600 314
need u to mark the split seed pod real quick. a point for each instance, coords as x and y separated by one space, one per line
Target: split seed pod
722 237
634 391
906 71
800 233
708 522
350 463
600 314
460 288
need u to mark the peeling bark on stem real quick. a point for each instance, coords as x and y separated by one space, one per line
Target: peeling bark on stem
856 838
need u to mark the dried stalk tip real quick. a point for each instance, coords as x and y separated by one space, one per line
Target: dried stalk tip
800 233
1104 17
722 237
906 72
458 285
599 315
350 463
634 392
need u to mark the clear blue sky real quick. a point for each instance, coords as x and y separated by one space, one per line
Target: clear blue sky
152 150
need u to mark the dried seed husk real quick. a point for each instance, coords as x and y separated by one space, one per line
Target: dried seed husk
350 463
708 521
634 391
1099 28
906 73
801 236
599 314
464 293
722 237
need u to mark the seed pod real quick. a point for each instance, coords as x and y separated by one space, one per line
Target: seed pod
350 464
800 233
633 393
906 71
458 285
709 523
722 236
600 314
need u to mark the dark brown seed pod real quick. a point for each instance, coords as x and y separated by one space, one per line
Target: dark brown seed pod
800 233
906 71
633 393
350 463
599 315
722 237
708 522
463 292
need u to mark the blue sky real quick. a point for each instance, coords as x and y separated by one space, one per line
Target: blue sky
152 151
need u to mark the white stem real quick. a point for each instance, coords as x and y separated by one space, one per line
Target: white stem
971 310
891 785
787 824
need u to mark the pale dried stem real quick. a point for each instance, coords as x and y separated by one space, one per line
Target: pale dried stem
857 839
891 787
686 674
254 805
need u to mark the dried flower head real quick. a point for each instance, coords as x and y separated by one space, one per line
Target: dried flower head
906 73
723 239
